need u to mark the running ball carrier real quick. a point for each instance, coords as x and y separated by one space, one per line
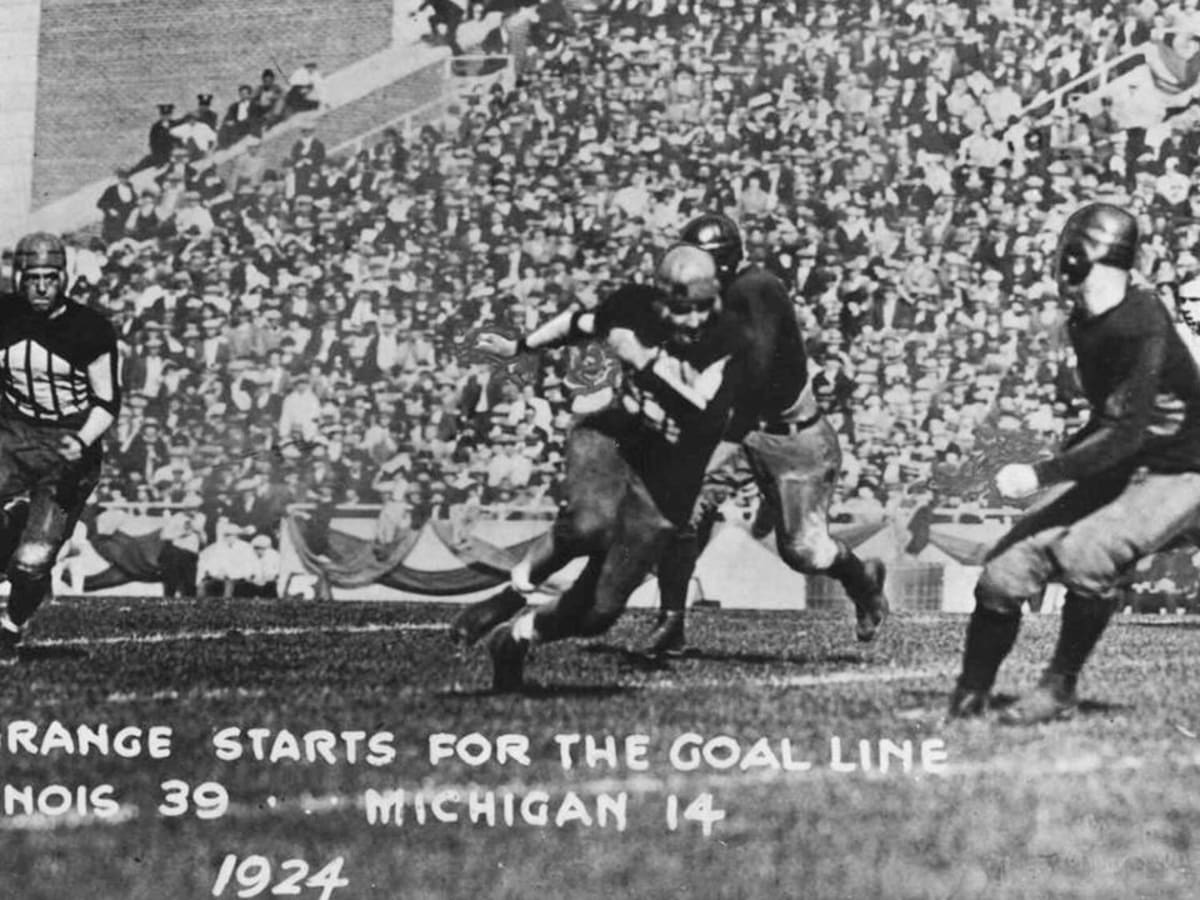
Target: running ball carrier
59 394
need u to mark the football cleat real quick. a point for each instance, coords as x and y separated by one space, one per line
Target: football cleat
667 638
508 659
967 704
1052 700
479 618
872 610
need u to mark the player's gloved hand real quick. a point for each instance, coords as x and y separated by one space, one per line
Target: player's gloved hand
1017 480
626 347
497 345
70 448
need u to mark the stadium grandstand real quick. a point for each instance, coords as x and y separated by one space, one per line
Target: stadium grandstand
297 292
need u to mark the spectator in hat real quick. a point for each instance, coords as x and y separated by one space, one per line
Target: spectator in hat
308 153
240 118
194 135
182 536
142 372
306 89
225 567
268 99
445 16
161 141
301 414
250 168
116 204
145 451
144 224
216 349
192 218
264 576
205 113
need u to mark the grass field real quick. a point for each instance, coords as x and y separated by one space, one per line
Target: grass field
1104 805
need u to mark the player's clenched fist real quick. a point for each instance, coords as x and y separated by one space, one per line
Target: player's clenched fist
628 348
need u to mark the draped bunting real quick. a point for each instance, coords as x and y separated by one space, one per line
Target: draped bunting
346 561
855 534
964 551
355 562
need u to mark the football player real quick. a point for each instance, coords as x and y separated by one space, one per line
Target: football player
777 438
59 394
1129 478
633 469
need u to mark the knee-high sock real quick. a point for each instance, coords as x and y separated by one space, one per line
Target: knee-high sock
26 595
990 638
675 570
848 569
1083 622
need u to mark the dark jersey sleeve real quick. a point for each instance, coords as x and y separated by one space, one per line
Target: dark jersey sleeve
1122 408
776 366
632 307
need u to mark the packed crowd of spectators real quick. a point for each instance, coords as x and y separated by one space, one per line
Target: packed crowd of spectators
875 154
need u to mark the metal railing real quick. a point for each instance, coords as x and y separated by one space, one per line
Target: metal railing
1090 82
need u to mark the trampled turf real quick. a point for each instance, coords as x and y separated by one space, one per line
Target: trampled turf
781 728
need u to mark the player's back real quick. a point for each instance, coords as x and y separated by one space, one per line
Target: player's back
778 364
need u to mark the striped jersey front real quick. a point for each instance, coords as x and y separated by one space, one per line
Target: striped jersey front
44 361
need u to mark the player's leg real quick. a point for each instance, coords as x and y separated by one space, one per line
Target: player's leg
596 599
54 508
682 552
1092 556
798 476
596 477
1017 568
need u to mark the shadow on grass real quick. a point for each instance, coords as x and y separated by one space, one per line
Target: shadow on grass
41 654
732 656
1168 622
535 691
934 704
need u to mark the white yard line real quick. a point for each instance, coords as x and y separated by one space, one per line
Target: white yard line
167 637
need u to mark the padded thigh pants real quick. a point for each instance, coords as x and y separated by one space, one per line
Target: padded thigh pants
610 517
1088 535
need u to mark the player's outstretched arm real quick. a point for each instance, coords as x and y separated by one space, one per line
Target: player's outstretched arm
569 326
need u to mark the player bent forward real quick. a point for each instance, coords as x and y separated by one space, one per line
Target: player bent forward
1134 470
59 393
633 469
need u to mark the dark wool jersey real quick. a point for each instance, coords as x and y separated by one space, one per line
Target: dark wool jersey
686 394
44 362
777 365
1144 390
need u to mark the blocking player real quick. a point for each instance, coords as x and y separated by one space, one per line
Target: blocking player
59 394
778 438
634 469
1130 475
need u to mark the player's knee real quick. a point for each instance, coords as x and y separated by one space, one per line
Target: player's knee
1088 567
808 554
578 524
32 560
997 593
